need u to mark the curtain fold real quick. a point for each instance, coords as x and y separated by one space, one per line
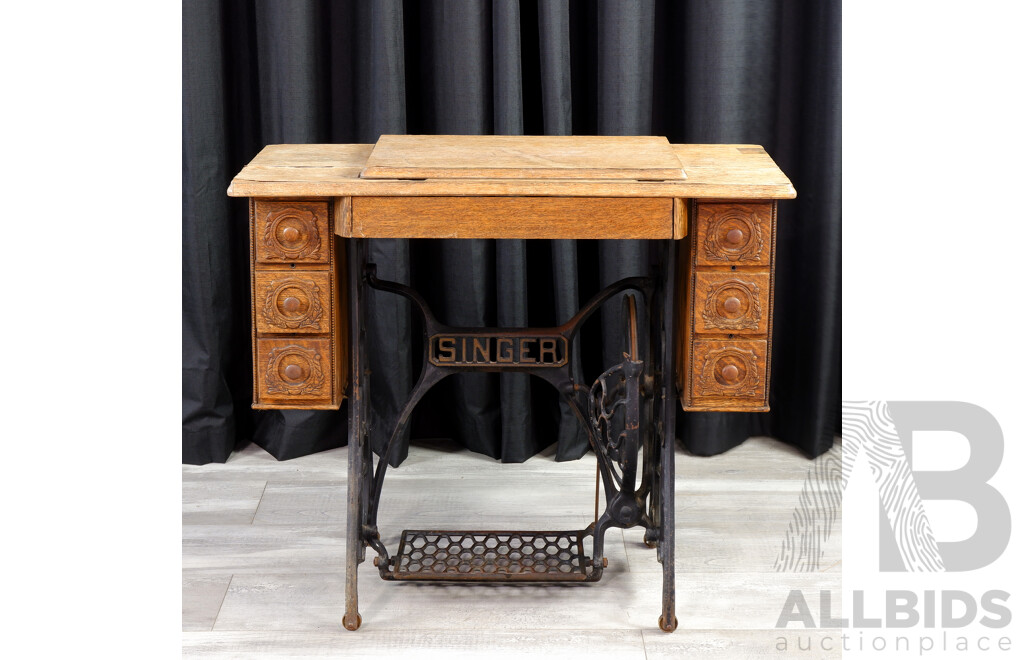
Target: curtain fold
208 416
264 72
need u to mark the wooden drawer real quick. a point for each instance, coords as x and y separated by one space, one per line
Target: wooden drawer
725 307
289 231
294 370
293 301
299 305
733 234
729 374
731 302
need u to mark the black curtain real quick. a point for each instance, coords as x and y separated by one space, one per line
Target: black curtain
727 71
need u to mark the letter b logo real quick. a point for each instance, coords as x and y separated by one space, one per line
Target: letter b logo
883 431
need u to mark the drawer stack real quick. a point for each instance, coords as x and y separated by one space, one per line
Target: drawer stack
300 333
726 313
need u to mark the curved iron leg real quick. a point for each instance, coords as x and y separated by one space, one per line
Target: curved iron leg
600 529
357 403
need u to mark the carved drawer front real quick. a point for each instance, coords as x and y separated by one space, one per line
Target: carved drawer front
293 301
294 370
731 302
291 232
723 371
731 234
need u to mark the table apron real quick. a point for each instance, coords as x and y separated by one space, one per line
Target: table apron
512 217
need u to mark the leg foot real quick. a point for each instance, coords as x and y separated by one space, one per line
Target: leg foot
669 628
649 539
352 621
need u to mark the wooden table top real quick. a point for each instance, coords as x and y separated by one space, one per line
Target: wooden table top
643 158
530 166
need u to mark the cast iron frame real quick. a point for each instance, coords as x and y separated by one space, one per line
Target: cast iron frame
625 413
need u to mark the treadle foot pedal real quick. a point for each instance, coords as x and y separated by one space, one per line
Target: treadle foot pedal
475 556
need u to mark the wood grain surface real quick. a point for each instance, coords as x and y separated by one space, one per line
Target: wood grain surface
724 171
297 279
731 302
340 344
680 218
725 306
292 301
511 217
294 370
291 231
522 157
733 234
730 371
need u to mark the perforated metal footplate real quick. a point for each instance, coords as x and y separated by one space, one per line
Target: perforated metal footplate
492 556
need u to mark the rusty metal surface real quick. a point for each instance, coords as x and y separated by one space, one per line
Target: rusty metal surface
355 552
490 556
663 326
615 412
628 415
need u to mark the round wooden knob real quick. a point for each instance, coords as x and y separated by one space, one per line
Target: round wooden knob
290 304
730 372
731 304
291 234
294 372
735 236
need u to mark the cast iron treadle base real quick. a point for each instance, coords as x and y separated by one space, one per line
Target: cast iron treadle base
492 556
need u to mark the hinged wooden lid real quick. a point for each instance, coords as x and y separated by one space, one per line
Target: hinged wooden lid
643 158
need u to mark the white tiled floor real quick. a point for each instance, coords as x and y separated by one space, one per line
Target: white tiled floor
263 553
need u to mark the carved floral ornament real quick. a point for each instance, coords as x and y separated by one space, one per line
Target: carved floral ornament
308 362
742 291
291 234
310 292
714 375
733 234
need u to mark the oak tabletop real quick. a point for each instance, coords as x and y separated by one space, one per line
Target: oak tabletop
522 157
515 166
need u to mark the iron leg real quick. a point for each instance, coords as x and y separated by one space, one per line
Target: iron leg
357 403
666 544
354 539
666 547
